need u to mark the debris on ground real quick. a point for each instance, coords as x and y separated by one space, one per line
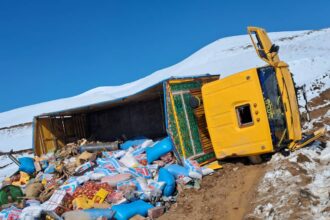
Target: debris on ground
135 179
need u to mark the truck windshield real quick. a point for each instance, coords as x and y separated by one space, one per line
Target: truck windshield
274 106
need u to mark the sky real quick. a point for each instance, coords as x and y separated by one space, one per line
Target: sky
56 49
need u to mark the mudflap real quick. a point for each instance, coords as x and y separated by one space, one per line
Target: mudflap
308 139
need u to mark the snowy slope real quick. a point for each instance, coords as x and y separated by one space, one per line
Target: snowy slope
307 52
18 138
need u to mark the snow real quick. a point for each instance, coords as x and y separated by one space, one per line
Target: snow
297 186
282 195
17 138
307 53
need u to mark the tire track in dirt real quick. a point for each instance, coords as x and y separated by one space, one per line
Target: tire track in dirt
226 195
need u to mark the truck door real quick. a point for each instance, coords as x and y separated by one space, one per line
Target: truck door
236 115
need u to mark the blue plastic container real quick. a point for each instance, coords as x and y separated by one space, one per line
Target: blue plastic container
127 211
159 149
27 165
177 170
165 176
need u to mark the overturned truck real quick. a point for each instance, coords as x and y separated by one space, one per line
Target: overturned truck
246 114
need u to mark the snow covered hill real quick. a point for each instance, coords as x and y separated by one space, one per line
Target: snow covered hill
307 52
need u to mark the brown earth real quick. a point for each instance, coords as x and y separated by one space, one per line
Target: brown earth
227 194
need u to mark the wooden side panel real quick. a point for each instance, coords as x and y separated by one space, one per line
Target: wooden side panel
45 137
51 133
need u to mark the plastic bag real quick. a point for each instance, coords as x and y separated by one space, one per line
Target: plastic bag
138 151
31 212
152 184
129 160
112 161
50 169
104 171
26 165
142 159
177 170
195 171
11 213
84 167
207 171
83 179
165 176
127 184
115 154
140 172
114 180
116 197
91 214
70 187
126 211
96 176
134 142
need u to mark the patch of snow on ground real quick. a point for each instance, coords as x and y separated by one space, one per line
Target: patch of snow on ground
297 186
8 167
17 138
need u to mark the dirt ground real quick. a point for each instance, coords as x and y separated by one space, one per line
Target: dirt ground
230 193
224 195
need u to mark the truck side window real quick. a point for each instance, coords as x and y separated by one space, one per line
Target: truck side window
244 115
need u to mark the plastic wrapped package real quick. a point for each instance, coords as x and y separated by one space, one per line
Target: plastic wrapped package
133 142
90 214
31 212
59 202
127 184
129 160
165 176
11 213
70 187
26 165
84 167
140 172
116 197
114 180
104 171
177 170
159 149
116 154
126 211
195 171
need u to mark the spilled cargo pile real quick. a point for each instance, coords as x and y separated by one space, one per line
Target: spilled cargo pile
91 180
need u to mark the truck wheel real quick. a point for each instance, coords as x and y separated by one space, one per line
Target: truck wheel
255 159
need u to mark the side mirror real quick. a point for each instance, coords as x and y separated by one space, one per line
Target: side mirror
274 49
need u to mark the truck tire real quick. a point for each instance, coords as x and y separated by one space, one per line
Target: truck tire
194 102
255 159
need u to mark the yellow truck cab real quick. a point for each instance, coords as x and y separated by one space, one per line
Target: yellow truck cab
255 111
